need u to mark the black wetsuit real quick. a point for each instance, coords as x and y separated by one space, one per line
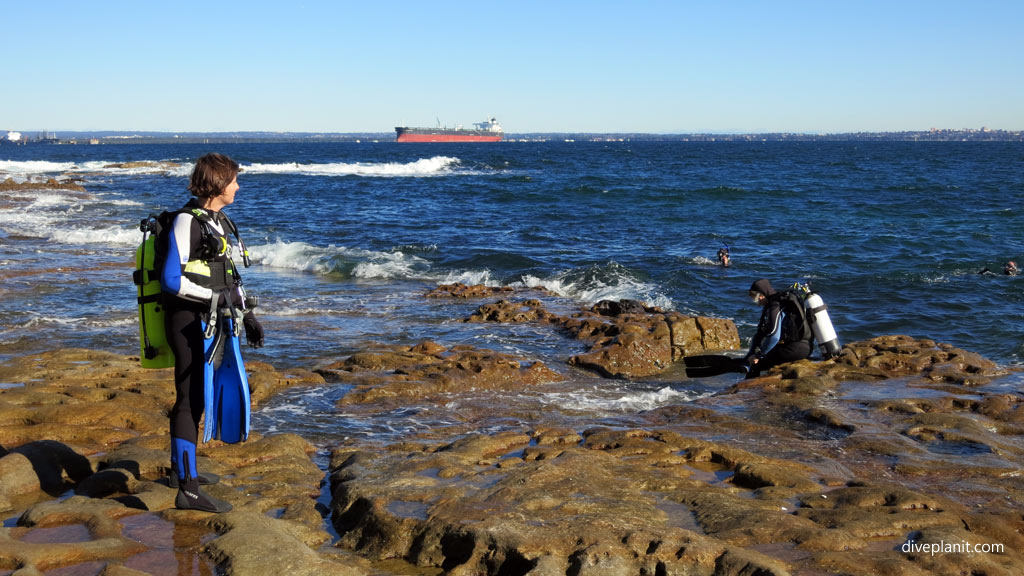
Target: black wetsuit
190 277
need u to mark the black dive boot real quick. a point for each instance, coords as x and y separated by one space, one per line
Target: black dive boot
190 497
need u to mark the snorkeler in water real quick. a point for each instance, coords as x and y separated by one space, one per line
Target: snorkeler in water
1009 269
723 256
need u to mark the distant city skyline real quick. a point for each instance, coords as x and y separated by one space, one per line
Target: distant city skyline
539 67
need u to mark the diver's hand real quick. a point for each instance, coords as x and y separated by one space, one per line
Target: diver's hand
253 330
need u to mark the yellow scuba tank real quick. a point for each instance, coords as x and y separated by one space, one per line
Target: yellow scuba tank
154 352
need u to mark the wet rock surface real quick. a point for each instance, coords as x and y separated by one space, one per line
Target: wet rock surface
858 465
429 370
459 290
91 429
626 339
8 185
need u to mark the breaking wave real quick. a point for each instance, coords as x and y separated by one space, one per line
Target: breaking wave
57 216
41 167
610 281
340 260
434 166
437 165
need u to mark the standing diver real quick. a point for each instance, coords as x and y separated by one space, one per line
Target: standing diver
782 332
202 296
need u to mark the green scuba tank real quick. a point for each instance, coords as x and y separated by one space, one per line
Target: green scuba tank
154 352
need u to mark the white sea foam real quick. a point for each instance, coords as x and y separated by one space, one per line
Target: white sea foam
292 256
113 235
388 268
608 282
38 320
433 166
41 167
122 202
612 282
57 216
470 277
324 260
112 322
307 311
620 400
35 167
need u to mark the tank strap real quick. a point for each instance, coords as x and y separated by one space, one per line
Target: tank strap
149 299
241 245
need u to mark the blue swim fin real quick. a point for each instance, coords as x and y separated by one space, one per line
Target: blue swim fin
209 408
231 391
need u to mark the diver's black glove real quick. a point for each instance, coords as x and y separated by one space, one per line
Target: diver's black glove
253 330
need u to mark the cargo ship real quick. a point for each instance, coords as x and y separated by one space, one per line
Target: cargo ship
487 131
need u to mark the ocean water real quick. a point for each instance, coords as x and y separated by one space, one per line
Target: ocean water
347 237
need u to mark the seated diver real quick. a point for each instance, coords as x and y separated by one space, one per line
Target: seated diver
782 334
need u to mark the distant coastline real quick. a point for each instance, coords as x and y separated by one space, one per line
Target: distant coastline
124 137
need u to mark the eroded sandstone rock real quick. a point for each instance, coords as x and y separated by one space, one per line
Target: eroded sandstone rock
96 423
460 290
627 339
487 504
400 373
49 184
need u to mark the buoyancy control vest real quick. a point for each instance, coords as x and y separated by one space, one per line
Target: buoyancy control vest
209 265
795 326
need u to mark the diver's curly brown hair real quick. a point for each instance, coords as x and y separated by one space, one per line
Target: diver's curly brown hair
212 174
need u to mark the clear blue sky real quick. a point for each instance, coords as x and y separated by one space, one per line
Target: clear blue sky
538 66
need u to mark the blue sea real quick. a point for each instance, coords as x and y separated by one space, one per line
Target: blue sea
347 238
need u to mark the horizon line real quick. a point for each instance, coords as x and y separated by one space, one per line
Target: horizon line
983 129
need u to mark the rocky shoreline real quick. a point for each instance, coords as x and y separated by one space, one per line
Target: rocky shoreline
829 467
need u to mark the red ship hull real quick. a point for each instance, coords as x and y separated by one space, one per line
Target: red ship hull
446 138
442 135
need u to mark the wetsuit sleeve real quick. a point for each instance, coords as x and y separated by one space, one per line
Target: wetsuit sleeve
768 333
179 247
